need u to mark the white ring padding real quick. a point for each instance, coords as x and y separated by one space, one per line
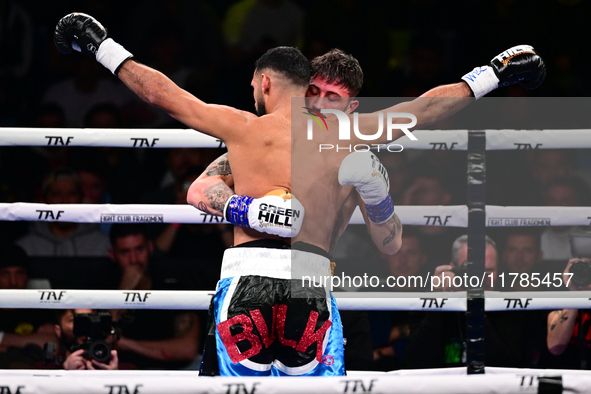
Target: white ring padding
199 300
424 215
188 138
497 216
124 138
537 139
157 382
420 215
536 300
106 299
435 140
455 215
385 301
401 301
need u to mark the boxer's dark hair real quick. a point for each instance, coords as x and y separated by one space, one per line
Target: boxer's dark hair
287 60
336 66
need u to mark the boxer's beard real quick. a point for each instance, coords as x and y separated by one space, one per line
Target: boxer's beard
260 107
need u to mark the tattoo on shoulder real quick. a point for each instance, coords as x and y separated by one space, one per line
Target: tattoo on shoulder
563 317
396 229
217 195
220 167
552 327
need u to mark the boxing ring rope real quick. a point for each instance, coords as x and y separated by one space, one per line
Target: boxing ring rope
157 382
444 381
419 215
188 138
372 301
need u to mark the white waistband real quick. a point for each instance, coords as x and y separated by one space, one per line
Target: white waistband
273 263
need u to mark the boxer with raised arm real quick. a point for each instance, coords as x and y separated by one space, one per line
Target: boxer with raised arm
317 184
267 322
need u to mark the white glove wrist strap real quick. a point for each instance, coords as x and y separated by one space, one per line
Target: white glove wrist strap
482 80
112 55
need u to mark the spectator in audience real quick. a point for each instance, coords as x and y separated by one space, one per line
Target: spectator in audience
438 339
551 164
569 331
87 88
155 339
521 255
58 238
125 177
390 329
23 332
562 192
429 188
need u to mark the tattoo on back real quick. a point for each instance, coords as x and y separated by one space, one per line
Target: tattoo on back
217 195
219 167
396 229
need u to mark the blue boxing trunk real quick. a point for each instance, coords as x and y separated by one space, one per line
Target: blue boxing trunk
268 321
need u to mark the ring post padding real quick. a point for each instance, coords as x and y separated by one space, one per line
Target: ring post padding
476 247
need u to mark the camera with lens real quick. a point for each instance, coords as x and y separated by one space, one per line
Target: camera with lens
461 270
580 246
96 328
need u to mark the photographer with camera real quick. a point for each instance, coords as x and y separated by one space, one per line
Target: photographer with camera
569 330
80 347
438 339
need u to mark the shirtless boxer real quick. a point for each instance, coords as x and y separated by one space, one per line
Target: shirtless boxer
253 143
336 79
316 178
255 291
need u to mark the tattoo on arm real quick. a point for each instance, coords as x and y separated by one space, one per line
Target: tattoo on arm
217 195
396 229
552 327
202 207
219 167
563 318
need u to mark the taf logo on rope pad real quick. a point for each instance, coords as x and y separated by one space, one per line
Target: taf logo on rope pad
123 389
6 390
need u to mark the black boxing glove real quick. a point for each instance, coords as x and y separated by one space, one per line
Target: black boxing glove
520 64
85 34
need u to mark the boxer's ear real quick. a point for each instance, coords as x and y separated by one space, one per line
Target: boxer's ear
265 83
353 104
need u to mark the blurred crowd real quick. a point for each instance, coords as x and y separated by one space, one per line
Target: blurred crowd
208 48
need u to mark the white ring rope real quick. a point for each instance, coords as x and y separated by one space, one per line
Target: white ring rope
199 300
158 382
188 138
421 215
384 301
123 138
